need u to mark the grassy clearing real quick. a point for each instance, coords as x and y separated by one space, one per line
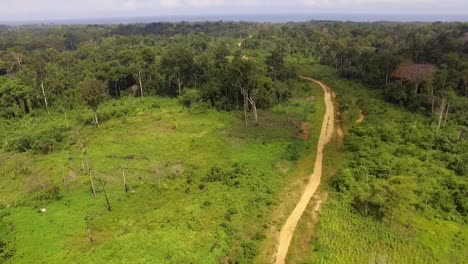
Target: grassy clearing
345 236
202 184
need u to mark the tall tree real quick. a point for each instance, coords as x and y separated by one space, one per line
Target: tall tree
242 75
276 64
94 93
14 92
178 65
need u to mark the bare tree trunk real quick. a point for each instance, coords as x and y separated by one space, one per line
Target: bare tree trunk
125 181
179 85
255 114
141 84
245 110
433 99
442 108
254 108
84 162
103 187
446 115
45 97
96 120
108 205
92 183
248 99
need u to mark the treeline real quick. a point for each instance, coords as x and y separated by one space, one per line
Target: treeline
373 52
165 58
216 72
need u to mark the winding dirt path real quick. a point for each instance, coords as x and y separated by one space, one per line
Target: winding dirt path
287 231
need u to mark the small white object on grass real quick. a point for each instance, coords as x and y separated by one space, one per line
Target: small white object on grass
42 210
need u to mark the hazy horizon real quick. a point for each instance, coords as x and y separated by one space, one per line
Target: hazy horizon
253 17
363 10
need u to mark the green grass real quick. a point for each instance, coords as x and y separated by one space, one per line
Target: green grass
211 197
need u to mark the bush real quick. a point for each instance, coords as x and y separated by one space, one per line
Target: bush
5 252
192 99
39 142
49 194
230 176
115 110
343 181
295 150
250 250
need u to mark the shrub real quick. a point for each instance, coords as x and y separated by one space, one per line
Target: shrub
295 150
344 180
50 193
6 252
39 142
250 250
190 97
193 100
229 176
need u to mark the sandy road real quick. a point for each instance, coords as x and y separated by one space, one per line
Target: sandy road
287 231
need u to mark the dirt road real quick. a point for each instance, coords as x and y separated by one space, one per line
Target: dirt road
287 231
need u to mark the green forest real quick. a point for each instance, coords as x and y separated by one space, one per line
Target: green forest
179 142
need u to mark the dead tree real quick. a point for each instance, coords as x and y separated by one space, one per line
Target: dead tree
126 187
249 99
45 97
85 165
92 183
441 114
140 82
103 188
446 115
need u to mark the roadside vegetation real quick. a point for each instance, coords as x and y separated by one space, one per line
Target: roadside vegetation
394 191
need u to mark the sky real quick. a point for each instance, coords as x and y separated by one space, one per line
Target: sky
75 9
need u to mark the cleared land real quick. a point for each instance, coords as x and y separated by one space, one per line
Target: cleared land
202 185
